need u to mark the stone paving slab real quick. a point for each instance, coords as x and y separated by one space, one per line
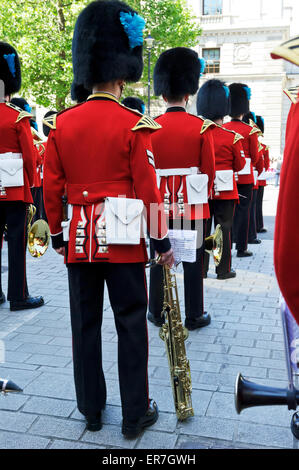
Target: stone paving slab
245 336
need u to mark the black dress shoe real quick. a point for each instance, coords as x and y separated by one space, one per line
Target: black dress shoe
200 322
256 241
157 321
244 254
2 298
228 275
94 423
30 302
262 230
132 429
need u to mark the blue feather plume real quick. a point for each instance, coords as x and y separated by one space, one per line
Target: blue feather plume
202 65
27 108
226 89
143 108
254 116
133 25
248 91
10 59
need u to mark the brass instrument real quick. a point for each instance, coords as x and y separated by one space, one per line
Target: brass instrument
38 234
9 386
248 394
174 335
214 245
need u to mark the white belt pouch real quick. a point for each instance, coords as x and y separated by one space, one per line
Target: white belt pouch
224 180
65 224
262 175
11 172
197 188
247 169
123 220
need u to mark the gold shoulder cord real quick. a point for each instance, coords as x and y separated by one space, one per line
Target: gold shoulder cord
50 121
146 122
206 124
21 114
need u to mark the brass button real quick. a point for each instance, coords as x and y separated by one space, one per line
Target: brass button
85 193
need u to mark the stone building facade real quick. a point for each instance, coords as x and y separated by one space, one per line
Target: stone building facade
237 38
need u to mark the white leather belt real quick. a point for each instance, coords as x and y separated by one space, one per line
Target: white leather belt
13 155
177 171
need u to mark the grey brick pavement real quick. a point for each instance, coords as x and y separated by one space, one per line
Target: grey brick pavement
245 335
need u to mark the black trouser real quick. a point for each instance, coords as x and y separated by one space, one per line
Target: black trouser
241 217
259 208
223 212
252 235
193 283
14 215
126 285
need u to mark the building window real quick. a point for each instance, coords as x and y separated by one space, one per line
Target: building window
212 7
212 58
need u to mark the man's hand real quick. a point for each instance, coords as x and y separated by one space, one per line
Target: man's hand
167 258
60 251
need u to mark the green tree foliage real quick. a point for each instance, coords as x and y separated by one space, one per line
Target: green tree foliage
42 30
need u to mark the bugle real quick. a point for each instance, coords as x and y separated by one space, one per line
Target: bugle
248 394
38 234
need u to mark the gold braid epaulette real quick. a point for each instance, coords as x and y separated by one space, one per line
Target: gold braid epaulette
22 114
146 122
50 121
206 124
237 137
254 130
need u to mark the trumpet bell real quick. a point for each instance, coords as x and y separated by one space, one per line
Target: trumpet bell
214 245
38 238
248 394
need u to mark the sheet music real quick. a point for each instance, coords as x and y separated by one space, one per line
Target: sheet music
183 243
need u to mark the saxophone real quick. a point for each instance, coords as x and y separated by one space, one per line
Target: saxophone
174 335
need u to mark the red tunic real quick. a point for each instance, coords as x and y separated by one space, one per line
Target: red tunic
250 145
286 253
95 150
184 141
40 151
266 163
15 137
228 156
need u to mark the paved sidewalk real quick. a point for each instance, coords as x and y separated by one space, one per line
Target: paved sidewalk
245 335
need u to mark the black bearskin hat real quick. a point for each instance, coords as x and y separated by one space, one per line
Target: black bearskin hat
10 68
46 129
134 103
213 100
79 93
177 73
249 117
240 96
21 103
260 123
107 44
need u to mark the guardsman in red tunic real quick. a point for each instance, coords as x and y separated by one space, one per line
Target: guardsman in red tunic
261 179
240 96
17 169
213 102
250 118
286 254
183 148
99 155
